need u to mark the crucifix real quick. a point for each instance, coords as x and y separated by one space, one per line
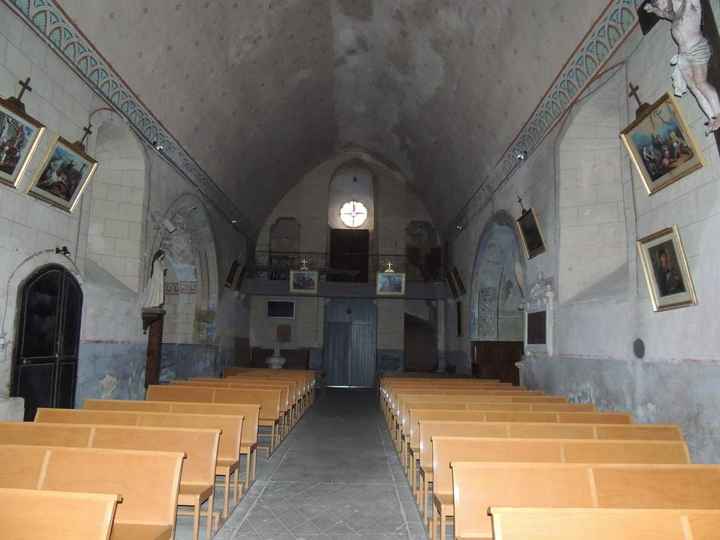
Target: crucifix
87 131
16 102
642 107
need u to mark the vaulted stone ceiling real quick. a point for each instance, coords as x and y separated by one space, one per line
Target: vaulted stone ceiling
260 91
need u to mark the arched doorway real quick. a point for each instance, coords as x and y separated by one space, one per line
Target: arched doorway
496 321
47 341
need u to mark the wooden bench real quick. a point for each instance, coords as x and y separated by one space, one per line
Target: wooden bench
148 482
522 430
479 486
27 514
447 450
249 411
269 401
200 447
230 427
603 523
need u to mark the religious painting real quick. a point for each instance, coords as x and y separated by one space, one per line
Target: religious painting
666 270
459 283
661 146
304 281
453 285
64 175
390 284
19 137
528 227
235 276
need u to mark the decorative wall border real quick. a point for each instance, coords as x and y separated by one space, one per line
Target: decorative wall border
610 30
52 24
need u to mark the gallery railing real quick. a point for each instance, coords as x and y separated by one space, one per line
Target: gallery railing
276 266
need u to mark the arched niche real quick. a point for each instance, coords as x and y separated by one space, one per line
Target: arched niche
593 239
496 294
352 181
191 284
118 199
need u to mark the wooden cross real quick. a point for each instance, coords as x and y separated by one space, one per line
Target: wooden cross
24 87
643 108
87 132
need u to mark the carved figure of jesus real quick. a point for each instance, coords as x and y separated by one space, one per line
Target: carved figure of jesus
694 52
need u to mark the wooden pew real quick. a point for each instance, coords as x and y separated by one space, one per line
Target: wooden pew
249 411
230 427
523 430
269 401
602 524
477 427
148 482
447 450
479 486
27 514
200 447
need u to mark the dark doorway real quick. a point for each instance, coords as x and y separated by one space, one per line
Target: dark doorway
420 345
350 343
349 255
48 338
496 360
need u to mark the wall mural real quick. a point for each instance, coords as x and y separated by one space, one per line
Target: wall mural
497 292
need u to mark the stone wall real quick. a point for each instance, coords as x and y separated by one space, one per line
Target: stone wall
604 308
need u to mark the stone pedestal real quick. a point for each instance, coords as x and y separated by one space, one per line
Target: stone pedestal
12 409
276 361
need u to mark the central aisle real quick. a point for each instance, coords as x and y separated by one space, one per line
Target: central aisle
335 477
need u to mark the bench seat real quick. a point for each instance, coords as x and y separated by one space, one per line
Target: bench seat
133 531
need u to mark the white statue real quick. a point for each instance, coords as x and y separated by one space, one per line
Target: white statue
155 295
694 52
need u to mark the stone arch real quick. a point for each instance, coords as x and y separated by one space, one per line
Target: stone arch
593 235
496 292
118 202
191 285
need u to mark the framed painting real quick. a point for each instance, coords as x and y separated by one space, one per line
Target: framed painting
390 284
528 227
64 175
666 270
304 281
19 137
661 145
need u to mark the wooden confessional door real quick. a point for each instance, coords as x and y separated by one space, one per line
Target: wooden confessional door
496 360
47 342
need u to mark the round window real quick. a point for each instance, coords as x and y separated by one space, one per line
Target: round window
353 214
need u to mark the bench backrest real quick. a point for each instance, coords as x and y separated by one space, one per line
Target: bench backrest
249 411
229 426
200 446
479 486
49 515
269 400
147 481
284 389
520 430
603 523
447 450
292 387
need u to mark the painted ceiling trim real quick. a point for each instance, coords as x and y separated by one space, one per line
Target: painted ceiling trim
610 30
49 20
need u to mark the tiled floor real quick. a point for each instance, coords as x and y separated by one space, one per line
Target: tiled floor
335 477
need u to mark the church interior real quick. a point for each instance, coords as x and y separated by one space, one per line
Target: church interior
359 269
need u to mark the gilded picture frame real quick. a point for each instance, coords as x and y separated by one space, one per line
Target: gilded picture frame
390 284
667 274
20 135
63 176
661 145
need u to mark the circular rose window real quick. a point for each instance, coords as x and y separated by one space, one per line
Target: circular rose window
353 214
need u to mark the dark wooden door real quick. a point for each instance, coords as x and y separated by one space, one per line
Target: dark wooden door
420 345
496 360
349 255
48 339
